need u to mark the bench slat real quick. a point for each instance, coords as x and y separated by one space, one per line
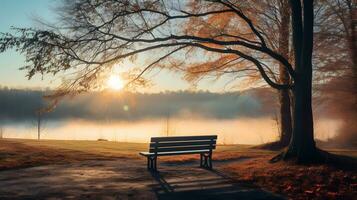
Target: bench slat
181 143
174 153
184 148
183 138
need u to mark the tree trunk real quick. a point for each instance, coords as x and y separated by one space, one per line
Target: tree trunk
38 126
285 118
284 97
353 51
302 144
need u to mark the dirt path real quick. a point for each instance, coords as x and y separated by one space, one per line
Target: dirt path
122 179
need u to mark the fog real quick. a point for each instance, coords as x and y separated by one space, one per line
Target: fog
237 118
20 105
232 131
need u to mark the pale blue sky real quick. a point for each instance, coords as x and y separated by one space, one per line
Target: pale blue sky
20 13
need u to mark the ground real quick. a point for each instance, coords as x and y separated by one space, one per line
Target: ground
49 169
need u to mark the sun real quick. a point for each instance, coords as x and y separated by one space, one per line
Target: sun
115 82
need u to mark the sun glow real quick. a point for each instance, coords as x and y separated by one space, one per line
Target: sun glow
115 82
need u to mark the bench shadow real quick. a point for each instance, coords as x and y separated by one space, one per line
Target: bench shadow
216 185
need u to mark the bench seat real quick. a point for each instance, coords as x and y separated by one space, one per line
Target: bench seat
172 153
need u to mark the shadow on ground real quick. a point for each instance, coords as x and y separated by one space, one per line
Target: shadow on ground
212 185
123 179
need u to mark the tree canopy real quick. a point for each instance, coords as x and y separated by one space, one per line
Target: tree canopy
92 36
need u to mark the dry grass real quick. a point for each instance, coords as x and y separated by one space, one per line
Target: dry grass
16 153
104 148
19 153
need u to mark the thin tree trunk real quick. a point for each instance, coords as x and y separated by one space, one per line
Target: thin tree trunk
353 50
284 97
38 126
285 118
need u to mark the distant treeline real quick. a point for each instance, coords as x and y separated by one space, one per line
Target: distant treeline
18 105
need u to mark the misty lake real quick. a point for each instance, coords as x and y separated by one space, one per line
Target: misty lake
229 131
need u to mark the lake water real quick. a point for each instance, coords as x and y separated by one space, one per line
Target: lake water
232 131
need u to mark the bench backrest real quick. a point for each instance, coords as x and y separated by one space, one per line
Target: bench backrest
182 143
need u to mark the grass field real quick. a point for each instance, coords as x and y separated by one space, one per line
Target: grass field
245 164
19 153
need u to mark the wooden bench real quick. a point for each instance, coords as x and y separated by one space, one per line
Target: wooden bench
181 145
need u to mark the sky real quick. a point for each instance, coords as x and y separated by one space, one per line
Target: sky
21 13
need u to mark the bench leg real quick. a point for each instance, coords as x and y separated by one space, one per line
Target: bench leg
152 167
155 164
201 160
206 161
152 163
148 163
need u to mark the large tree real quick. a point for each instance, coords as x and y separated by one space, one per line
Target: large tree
93 35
